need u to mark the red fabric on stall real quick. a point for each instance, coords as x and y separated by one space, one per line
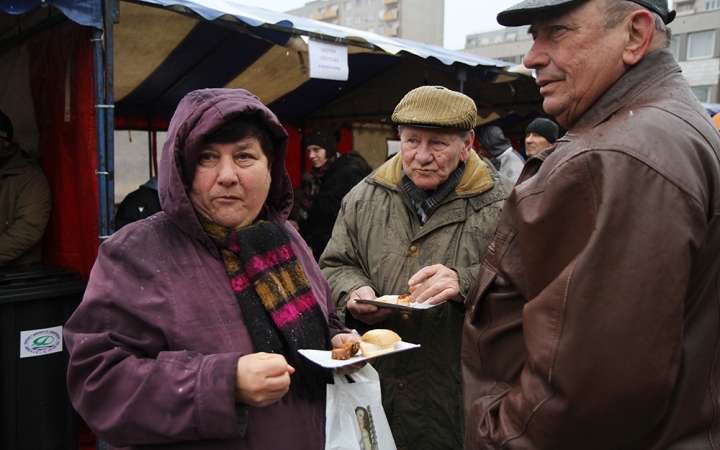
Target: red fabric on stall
62 84
294 154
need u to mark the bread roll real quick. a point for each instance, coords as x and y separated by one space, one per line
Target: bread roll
377 342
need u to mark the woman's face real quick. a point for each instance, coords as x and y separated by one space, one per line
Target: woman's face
360 416
231 183
318 155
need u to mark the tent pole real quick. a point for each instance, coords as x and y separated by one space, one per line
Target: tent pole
100 110
112 16
105 119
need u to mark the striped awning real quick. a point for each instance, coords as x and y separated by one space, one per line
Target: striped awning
165 49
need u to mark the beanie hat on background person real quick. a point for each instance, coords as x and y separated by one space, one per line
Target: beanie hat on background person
545 128
436 107
493 140
326 138
6 127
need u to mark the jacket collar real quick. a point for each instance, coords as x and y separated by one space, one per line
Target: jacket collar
475 179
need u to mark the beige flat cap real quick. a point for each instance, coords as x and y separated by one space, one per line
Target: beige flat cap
436 107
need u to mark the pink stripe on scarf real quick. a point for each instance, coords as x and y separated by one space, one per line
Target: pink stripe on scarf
289 312
274 257
240 283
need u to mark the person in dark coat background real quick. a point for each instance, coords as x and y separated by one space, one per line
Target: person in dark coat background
331 177
493 144
139 204
25 202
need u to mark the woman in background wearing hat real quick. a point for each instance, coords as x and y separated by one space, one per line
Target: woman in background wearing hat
331 177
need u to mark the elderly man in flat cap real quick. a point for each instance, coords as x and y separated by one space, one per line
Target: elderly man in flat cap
594 322
420 223
539 135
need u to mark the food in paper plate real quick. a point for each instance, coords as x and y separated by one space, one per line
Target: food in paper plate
379 341
402 299
348 350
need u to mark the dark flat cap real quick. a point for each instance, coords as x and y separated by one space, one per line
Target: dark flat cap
524 12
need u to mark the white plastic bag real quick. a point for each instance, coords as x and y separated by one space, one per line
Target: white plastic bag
355 417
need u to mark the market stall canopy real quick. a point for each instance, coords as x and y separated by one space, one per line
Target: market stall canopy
83 12
164 49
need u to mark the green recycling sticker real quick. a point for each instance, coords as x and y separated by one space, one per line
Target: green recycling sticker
40 342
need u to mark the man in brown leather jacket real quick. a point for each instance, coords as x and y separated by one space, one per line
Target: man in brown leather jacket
594 321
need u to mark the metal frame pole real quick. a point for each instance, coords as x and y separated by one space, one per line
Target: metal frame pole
105 118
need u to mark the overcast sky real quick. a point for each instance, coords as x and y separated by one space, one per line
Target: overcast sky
462 17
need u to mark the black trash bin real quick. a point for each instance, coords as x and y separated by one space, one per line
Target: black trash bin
35 302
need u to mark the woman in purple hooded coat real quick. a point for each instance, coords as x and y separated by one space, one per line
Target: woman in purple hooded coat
188 332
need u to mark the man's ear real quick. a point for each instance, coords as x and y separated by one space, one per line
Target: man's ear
467 146
640 33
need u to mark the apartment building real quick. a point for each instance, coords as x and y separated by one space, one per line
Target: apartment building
416 20
695 45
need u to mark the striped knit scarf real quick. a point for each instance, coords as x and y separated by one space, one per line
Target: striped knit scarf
277 302
313 187
425 204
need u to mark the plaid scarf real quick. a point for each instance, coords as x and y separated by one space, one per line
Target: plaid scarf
313 187
424 203
277 302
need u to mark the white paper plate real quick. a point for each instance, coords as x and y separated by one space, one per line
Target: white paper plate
324 357
423 305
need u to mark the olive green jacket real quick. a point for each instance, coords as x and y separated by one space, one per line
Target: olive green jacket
378 241
24 210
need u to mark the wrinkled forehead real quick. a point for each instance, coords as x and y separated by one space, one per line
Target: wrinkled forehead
407 131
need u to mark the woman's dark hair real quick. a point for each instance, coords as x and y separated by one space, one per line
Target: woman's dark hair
242 127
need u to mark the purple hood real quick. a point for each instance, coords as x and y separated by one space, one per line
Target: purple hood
200 113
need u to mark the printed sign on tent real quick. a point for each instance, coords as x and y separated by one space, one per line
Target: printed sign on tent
328 61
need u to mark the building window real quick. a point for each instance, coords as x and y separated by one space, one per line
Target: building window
369 2
381 29
675 47
685 6
715 4
702 93
485 41
347 21
369 17
348 6
471 43
370 30
701 44
358 18
358 2
511 37
497 40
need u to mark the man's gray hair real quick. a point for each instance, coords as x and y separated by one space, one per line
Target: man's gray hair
617 10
